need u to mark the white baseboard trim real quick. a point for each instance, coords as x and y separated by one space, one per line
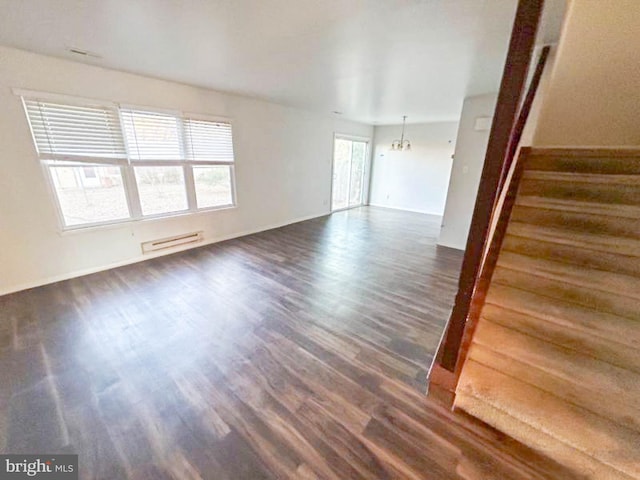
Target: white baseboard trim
424 212
142 258
448 245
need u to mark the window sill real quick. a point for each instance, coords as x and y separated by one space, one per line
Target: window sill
137 221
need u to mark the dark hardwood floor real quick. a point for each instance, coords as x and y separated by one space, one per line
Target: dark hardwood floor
295 353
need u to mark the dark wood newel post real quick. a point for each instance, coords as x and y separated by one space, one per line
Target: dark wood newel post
512 86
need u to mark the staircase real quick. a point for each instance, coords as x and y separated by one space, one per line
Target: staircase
555 358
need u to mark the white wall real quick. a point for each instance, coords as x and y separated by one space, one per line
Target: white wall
414 180
593 98
471 146
283 170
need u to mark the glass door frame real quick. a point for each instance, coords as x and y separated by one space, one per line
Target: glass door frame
366 171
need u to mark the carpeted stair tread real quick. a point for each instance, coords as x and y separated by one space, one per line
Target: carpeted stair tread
565 249
599 386
608 450
585 188
589 279
577 339
555 357
571 205
584 162
588 241
586 468
588 178
577 222
614 328
561 290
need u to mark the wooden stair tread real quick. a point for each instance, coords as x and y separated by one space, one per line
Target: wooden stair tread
606 450
570 205
619 331
601 387
590 279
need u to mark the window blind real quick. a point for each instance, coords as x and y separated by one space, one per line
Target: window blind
152 136
208 141
81 133
153 162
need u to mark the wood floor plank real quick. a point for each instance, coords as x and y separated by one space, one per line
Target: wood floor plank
297 353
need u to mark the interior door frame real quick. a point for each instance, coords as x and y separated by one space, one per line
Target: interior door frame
366 174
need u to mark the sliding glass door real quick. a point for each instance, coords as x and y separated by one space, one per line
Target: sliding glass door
349 166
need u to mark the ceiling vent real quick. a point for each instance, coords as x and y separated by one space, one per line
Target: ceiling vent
82 53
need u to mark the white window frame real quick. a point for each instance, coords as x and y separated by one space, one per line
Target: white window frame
127 166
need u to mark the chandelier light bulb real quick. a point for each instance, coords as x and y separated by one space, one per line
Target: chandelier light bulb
402 143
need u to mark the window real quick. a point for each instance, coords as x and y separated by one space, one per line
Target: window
110 164
89 200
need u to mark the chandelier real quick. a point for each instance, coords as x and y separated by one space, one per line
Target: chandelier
403 143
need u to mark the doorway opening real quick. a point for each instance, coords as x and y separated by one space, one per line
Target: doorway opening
348 187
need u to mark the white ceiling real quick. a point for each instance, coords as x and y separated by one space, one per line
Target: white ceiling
373 60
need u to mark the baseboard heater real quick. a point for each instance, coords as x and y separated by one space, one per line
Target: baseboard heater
169 242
